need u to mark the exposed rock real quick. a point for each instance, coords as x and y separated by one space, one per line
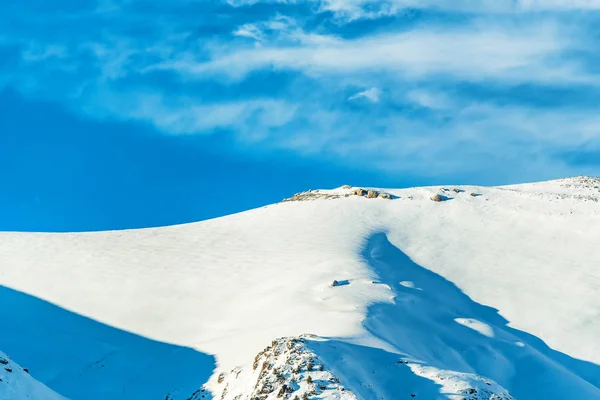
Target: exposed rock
312 195
475 394
372 194
437 198
340 283
318 195
580 182
286 369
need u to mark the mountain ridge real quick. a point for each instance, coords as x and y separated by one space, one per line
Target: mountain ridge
467 271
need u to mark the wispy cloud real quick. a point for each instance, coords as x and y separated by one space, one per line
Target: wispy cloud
250 31
476 52
490 87
361 9
350 10
371 94
429 99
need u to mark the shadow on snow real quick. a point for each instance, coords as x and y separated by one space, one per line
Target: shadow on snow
372 373
421 324
84 359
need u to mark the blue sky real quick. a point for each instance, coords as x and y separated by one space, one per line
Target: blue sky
117 114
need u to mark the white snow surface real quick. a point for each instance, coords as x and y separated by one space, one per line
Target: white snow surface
521 262
17 384
477 326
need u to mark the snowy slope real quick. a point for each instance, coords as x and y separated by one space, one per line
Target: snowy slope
17 384
502 285
296 368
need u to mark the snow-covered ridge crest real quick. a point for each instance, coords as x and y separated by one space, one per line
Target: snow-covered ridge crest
582 188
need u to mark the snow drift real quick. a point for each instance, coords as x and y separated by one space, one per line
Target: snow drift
495 290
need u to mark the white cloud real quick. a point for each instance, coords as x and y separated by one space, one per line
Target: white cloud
312 116
505 142
37 53
282 30
250 31
476 52
371 94
357 9
189 115
429 99
560 4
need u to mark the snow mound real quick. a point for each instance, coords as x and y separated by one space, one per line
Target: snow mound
477 326
17 384
582 188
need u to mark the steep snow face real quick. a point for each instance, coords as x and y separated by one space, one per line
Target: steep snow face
417 279
295 368
17 384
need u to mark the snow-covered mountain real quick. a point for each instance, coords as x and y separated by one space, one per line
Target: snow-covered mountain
17 384
482 293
